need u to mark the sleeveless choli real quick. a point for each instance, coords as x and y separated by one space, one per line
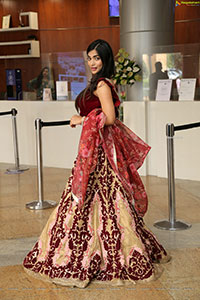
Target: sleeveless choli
93 102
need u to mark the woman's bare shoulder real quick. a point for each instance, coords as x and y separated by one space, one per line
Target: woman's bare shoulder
103 82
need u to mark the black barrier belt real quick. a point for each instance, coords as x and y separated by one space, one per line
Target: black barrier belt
5 113
55 123
11 112
186 126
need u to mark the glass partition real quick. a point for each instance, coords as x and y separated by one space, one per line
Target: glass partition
171 62
61 76
55 76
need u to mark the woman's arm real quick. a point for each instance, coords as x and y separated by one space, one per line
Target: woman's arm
103 92
32 84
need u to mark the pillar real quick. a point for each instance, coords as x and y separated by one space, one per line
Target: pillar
145 24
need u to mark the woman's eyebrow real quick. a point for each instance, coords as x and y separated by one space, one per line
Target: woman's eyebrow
96 55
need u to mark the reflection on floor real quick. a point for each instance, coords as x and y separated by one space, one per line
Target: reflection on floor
20 228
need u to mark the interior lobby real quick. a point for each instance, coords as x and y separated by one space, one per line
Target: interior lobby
167 31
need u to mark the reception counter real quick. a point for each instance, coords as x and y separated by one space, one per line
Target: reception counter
59 144
146 119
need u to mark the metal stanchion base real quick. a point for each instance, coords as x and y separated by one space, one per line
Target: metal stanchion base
35 205
16 170
177 225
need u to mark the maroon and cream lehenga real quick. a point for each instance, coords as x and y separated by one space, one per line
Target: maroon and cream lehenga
97 232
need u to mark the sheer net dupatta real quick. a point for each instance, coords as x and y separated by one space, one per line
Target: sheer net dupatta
125 151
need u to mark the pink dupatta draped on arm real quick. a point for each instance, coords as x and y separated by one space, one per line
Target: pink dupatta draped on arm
125 151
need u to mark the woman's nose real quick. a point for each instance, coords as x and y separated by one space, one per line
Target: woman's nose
92 62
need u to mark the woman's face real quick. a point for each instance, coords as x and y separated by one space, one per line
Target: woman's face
94 62
45 73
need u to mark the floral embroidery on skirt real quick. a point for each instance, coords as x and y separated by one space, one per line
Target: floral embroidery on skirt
104 240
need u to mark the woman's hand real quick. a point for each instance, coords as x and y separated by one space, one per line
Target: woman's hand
76 120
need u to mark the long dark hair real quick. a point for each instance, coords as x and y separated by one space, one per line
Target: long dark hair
40 77
107 71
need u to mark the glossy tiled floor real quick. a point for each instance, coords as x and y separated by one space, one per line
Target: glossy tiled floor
20 227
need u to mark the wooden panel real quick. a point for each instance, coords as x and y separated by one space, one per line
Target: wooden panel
188 30
77 39
77 13
187 33
184 12
83 21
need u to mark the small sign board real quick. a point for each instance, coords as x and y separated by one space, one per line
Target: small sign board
164 87
187 89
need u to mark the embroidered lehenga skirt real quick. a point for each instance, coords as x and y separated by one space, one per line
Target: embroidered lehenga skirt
103 241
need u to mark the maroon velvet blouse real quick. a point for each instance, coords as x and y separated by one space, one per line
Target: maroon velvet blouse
92 101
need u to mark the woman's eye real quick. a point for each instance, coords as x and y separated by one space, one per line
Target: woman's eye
96 58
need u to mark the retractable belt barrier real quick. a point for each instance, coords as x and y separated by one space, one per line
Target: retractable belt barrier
40 203
172 224
17 169
3 113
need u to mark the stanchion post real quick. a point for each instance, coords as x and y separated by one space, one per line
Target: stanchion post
171 224
15 141
40 204
39 160
17 168
170 171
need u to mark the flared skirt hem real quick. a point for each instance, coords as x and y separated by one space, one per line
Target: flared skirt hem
74 282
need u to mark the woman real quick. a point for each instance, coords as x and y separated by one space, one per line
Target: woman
41 82
97 231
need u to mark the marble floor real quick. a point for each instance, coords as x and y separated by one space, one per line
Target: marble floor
20 227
